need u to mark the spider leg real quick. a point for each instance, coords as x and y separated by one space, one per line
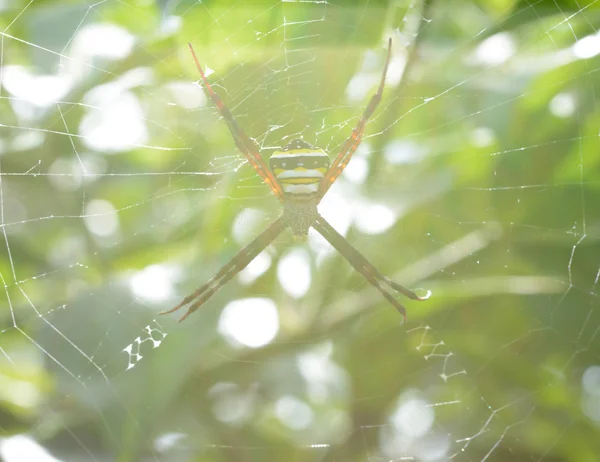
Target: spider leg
242 141
362 265
235 265
351 144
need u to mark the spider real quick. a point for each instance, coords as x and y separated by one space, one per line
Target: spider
299 176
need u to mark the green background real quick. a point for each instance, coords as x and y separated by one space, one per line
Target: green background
504 233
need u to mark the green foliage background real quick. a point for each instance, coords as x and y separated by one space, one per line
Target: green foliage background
505 235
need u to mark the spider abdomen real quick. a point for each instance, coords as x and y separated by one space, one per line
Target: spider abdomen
299 167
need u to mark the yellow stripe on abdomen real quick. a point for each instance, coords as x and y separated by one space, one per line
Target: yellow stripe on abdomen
299 167
300 180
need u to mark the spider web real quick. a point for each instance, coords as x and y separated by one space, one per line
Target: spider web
121 191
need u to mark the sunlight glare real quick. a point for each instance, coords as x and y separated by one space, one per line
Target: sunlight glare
171 24
39 90
245 225
324 377
19 393
412 432
587 47
337 207
482 137
590 406
400 152
591 380
66 174
187 94
590 402
27 141
101 218
21 447
496 49
105 40
413 417
397 66
373 218
251 322
255 269
153 283
117 124
293 272
167 441
360 86
562 105
357 170
293 413
232 405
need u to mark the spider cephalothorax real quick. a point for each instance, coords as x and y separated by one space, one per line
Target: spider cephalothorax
300 176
